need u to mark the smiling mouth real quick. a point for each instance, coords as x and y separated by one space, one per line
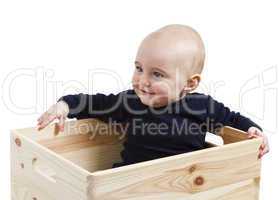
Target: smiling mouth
147 93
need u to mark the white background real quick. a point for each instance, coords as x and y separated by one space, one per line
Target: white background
65 42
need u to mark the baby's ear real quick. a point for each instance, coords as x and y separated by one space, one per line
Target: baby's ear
193 83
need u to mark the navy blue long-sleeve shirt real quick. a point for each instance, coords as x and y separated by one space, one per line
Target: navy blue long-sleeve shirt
152 133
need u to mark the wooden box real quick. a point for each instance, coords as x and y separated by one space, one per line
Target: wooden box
76 165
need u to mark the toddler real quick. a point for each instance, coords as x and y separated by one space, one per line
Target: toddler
162 114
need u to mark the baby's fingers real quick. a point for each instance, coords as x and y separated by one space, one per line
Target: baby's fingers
252 135
45 121
263 152
61 123
264 149
41 118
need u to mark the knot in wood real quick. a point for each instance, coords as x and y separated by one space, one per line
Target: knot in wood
192 168
199 180
18 142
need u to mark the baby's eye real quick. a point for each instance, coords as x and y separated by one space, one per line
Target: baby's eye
158 75
138 68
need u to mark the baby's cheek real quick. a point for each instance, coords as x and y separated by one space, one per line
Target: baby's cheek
161 88
136 77
160 91
163 93
169 92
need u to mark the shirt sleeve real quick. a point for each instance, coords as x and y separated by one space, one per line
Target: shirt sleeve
101 106
220 115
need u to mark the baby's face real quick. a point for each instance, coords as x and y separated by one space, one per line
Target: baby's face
160 75
168 64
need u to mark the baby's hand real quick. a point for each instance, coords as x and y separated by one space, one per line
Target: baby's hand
254 132
58 111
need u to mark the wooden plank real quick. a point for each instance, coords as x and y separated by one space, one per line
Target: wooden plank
184 174
244 190
91 153
73 127
23 189
76 142
95 158
69 179
232 135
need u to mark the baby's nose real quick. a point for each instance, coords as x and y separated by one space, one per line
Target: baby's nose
145 82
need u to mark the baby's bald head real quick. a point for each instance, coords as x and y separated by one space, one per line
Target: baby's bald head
178 44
